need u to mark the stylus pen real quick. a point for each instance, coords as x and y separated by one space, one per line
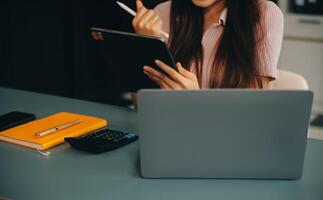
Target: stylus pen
58 128
133 13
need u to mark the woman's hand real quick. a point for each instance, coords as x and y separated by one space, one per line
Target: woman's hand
183 79
146 22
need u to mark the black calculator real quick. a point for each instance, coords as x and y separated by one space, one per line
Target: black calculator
102 141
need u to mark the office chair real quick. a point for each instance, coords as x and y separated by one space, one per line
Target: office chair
289 81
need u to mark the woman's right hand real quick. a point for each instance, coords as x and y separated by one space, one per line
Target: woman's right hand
146 22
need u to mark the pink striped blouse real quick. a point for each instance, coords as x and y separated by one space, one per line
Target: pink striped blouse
274 23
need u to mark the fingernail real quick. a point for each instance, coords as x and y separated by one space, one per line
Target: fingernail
157 61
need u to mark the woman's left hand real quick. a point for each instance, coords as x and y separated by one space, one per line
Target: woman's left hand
181 79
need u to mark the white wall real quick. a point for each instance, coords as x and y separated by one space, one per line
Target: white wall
302 50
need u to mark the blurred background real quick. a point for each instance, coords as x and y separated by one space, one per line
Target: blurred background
45 46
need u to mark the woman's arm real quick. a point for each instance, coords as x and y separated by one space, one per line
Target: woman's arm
273 29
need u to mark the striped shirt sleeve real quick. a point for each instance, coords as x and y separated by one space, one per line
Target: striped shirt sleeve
274 30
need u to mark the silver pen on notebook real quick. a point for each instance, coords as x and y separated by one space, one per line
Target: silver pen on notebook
133 13
58 128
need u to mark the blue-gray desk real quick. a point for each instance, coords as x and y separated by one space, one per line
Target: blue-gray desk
70 174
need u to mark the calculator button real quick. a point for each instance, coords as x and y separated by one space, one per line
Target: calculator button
102 141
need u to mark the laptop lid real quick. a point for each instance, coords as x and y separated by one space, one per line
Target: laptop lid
234 133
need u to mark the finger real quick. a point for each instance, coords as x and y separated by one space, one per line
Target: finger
144 20
153 73
162 77
170 71
155 25
158 23
139 4
159 82
153 20
185 72
140 12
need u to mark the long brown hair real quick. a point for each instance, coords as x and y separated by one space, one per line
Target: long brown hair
239 50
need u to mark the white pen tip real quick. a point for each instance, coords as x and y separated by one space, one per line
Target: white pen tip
126 8
119 3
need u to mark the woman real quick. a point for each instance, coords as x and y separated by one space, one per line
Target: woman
217 43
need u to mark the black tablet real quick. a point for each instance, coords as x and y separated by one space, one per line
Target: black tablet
127 53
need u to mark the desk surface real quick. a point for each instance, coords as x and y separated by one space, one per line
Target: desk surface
70 174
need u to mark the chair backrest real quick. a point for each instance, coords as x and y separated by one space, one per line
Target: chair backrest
289 81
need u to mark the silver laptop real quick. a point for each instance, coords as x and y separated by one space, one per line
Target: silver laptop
257 134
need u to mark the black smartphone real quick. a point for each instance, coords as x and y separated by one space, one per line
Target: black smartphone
12 119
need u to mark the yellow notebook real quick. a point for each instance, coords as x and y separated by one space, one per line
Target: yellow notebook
28 134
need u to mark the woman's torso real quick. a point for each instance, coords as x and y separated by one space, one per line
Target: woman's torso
213 33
